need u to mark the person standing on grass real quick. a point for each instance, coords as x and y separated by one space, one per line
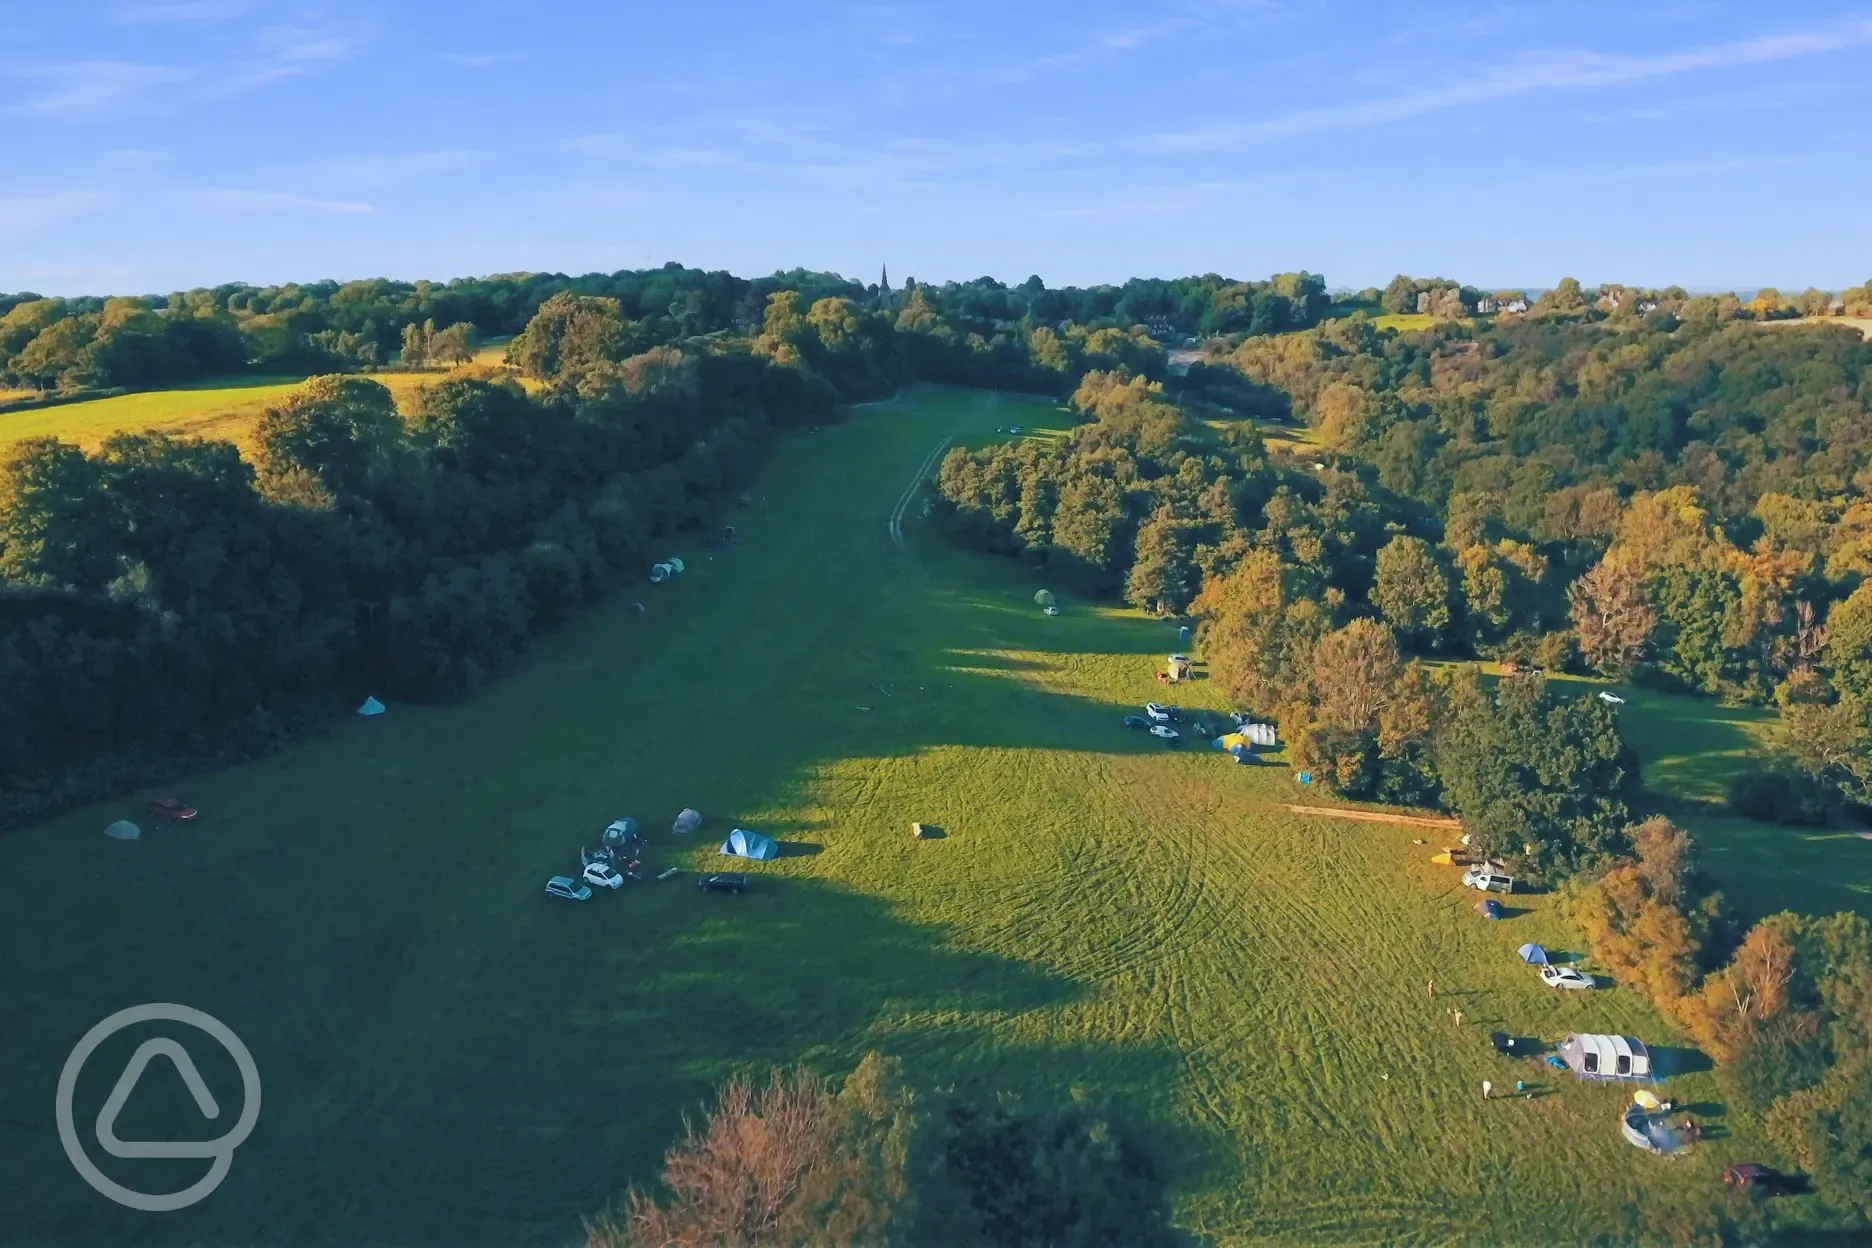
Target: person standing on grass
1430 989
1488 1090
1459 1018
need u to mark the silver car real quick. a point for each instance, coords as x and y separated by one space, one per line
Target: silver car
568 888
1565 977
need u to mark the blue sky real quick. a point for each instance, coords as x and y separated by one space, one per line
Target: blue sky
155 144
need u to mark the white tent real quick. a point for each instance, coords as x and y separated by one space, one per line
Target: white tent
1593 1056
1260 734
687 822
674 564
660 572
123 830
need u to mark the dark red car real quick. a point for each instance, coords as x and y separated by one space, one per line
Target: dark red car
171 809
1757 1180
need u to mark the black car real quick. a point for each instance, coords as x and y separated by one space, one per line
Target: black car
723 882
1756 1179
1136 721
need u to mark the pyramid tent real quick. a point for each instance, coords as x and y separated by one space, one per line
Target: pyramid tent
742 843
123 830
687 822
1533 955
371 707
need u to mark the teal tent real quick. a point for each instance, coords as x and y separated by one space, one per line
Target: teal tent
371 707
742 843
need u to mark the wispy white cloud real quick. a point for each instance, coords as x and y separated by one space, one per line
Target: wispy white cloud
242 199
481 60
84 90
1094 50
180 11
1525 75
288 51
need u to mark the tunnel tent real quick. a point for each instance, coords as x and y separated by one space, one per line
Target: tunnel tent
1260 734
660 572
674 564
123 830
688 821
1591 1055
742 843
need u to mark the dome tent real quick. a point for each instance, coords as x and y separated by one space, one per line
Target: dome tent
742 843
688 821
1043 598
371 707
123 830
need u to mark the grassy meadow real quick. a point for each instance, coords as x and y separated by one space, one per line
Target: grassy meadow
449 1056
223 409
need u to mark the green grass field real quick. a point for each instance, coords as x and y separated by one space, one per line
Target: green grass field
449 1056
223 409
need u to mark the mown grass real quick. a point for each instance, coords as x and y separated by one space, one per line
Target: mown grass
223 408
450 1057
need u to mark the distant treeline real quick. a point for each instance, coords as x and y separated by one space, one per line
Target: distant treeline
69 344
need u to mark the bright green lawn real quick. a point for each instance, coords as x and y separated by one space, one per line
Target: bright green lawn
224 409
451 1057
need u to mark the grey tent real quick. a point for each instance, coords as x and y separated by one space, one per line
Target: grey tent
123 830
1612 1058
687 822
1533 955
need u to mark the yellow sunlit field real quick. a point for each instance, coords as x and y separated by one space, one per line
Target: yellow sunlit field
224 409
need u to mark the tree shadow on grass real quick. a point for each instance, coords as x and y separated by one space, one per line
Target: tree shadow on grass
1668 1061
576 1048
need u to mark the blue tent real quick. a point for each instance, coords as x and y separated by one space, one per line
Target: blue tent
1490 909
371 707
742 843
1533 955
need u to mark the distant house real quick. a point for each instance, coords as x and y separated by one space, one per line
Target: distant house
1484 306
1161 328
1514 305
1646 307
1423 303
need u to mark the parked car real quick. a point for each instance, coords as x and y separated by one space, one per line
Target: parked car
1164 733
723 882
1162 714
567 887
1487 881
1565 977
1756 1179
603 875
1136 721
1049 610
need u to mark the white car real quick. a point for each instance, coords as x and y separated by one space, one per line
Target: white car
1049 610
1565 977
1163 732
602 874
1158 712
1487 881
567 887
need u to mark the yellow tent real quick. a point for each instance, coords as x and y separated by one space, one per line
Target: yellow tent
1234 740
1647 1101
1443 859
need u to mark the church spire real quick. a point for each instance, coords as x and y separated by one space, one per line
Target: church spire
884 290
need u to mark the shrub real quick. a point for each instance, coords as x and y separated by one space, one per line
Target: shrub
1777 794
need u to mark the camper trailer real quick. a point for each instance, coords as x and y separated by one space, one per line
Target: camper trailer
1612 1058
